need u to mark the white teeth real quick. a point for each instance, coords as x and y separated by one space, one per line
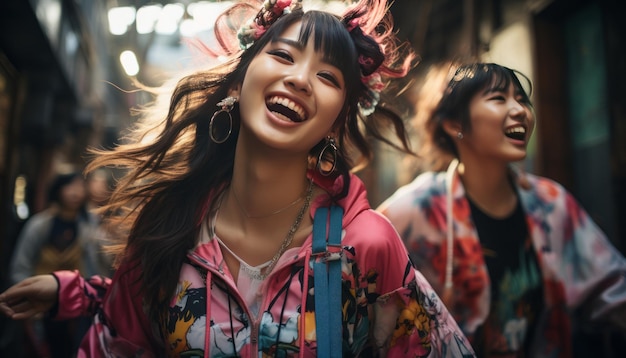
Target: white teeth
516 130
289 104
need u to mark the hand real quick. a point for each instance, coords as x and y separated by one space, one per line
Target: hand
30 298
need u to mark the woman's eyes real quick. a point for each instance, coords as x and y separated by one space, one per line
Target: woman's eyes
325 75
282 54
331 78
497 98
522 100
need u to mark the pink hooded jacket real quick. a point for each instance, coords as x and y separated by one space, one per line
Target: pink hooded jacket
388 308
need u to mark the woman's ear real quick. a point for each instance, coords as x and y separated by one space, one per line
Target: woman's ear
333 131
234 92
452 128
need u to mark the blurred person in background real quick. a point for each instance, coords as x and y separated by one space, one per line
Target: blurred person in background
99 187
518 262
60 237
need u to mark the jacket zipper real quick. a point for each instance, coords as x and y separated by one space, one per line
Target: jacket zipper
254 321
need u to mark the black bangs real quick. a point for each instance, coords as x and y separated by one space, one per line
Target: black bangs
331 39
499 78
474 78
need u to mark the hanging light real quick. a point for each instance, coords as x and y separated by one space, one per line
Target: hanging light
129 63
120 18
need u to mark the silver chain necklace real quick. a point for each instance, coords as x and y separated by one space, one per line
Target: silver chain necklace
267 268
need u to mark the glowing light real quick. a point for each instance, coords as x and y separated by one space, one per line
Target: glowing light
129 63
147 17
120 18
169 18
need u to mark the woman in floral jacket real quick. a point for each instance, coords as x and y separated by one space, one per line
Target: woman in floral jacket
221 200
513 255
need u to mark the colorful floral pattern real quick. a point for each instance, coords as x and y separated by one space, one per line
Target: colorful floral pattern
388 308
577 261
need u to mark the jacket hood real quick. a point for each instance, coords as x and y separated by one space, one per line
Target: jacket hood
353 203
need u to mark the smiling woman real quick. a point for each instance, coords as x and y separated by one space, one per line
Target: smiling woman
217 207
518 262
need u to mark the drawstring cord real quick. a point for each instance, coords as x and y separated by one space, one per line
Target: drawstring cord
447 288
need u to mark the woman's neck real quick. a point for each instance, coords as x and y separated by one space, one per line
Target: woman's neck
257 210
66 214
266 179
265 185
489 186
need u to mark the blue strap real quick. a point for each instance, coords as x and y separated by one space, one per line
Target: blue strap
319 230
334 280
321 283
327 276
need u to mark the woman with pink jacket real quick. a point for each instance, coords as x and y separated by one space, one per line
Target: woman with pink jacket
219 202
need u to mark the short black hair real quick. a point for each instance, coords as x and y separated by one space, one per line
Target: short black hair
57 184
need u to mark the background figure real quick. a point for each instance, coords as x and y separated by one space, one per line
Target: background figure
99 187
217 203
56 239
518 262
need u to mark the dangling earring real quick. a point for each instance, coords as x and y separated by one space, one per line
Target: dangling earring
227 106
459 135
330 145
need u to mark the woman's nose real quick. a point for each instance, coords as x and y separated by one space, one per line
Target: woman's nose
299 82
518 109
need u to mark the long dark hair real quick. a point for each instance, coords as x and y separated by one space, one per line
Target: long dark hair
172 169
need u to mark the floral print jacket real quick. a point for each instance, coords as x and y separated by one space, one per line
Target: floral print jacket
579 266
388 308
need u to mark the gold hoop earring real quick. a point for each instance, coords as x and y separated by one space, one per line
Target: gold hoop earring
226 106
330 145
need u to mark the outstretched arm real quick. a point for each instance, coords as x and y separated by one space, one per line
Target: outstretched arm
62 295
31 297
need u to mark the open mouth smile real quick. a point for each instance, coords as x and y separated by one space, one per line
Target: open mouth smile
287 108
516 132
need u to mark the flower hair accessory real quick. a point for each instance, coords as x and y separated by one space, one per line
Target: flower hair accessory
381 57
369 25
271 11
374 85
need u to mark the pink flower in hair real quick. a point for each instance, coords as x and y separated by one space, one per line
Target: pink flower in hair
281 5
374 82
369 100
271 11
366 61
258 31
352 24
